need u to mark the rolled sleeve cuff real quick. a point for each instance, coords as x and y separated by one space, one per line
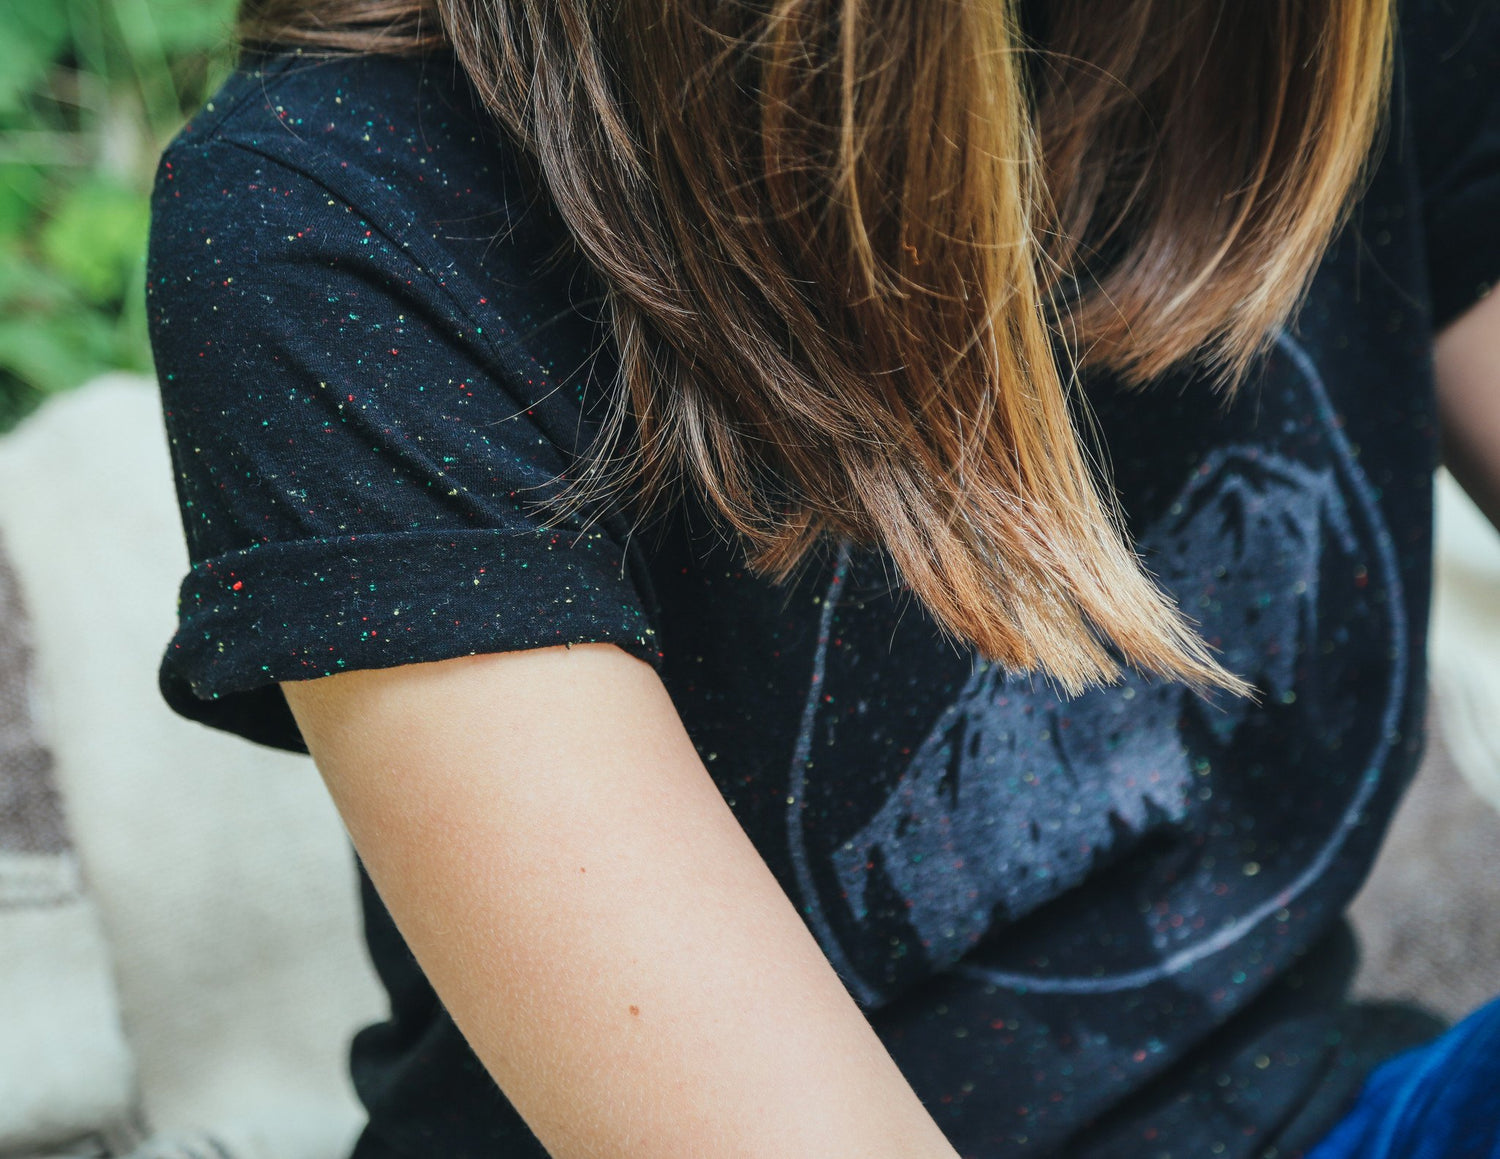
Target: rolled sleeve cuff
309 608
1464 245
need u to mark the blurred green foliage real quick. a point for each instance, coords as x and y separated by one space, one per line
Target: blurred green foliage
90 92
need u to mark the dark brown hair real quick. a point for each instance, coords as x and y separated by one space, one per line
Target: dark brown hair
844 240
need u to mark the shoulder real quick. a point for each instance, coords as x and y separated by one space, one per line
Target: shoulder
310 179
399 120
373 149
339 258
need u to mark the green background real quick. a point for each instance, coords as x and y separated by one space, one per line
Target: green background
90 92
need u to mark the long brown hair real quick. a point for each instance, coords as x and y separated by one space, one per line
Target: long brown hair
844 242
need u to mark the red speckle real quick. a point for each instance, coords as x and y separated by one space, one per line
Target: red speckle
237 585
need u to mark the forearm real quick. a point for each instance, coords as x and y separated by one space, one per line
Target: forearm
613 947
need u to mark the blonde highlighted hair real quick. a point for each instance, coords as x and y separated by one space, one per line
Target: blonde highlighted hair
846 242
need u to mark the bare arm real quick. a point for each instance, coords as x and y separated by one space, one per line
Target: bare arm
1467 358
595 919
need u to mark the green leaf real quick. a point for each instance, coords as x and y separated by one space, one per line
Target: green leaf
33 34
53 353
27 288
17 400
21 193
96 237
182 26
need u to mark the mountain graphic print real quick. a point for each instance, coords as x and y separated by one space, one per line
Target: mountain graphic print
1015 795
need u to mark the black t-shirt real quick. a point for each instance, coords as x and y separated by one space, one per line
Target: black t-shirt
1108 924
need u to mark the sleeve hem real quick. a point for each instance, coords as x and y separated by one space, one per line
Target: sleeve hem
1464 248
308 608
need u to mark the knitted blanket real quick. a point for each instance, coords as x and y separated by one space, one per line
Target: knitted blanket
64 1067
185 975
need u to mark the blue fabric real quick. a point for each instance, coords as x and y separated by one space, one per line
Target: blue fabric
1438 1101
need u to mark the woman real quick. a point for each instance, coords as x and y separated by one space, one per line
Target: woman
842 612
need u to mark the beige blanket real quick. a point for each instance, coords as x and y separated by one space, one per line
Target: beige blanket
65 1070
218 872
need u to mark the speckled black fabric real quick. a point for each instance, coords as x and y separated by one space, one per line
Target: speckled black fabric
371 368
1105 927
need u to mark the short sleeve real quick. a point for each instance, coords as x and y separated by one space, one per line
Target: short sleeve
362 454
1451 59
